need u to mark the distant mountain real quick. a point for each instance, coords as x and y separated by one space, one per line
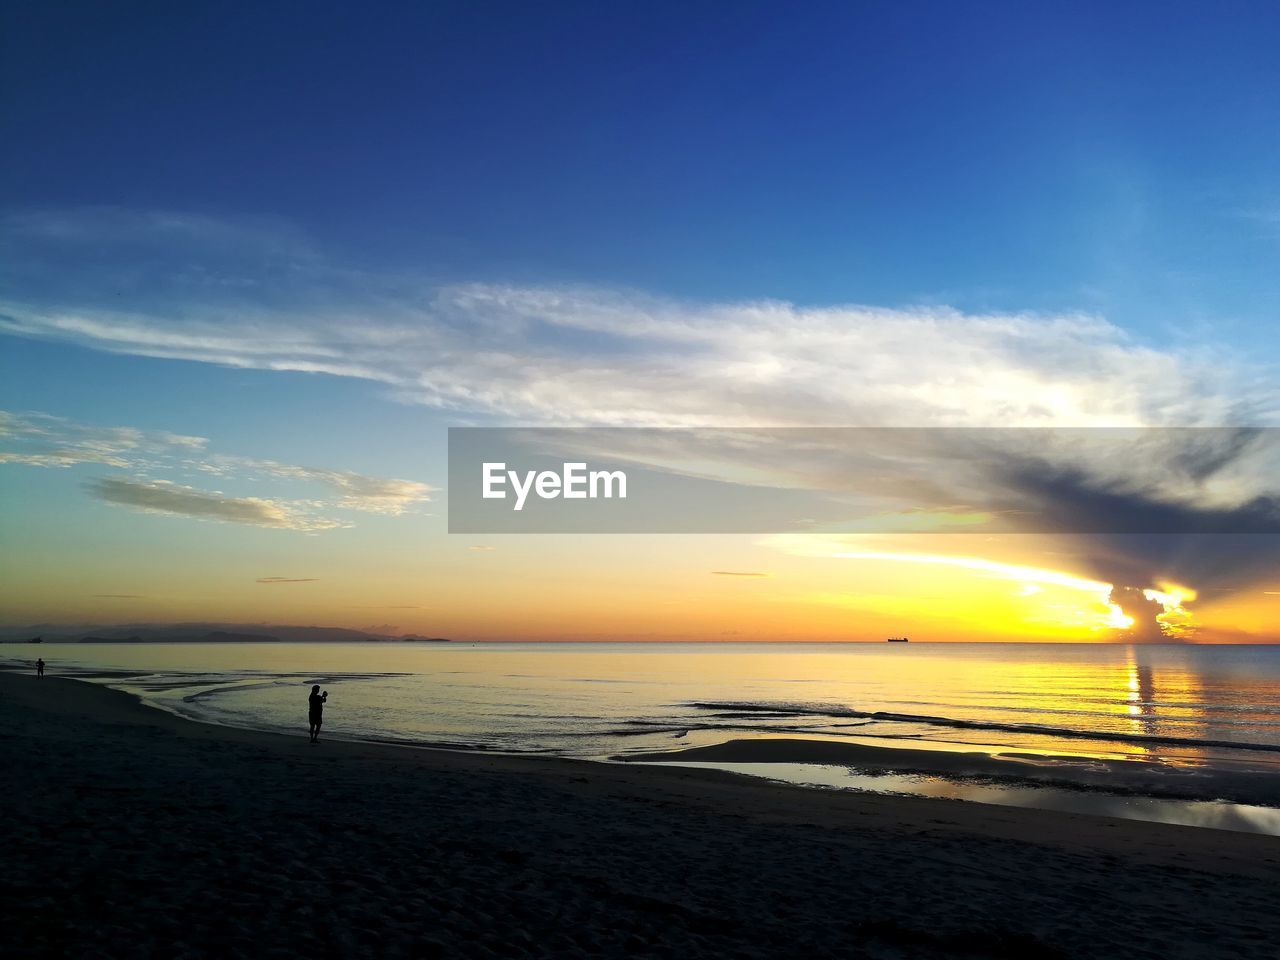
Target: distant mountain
224 636
201 633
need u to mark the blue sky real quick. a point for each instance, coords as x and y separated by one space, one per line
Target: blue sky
314 235
1118 160
989 156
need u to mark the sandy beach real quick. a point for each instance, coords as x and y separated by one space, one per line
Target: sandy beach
129 832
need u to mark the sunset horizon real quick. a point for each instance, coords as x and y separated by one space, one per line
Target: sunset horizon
640 481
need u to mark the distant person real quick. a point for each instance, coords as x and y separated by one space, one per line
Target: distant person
316 712
39 666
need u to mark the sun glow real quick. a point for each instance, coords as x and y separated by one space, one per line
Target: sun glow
1114 617
1099 613
1176 621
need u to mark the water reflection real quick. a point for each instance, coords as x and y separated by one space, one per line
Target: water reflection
1164 699
592 700
1211 814
1142 692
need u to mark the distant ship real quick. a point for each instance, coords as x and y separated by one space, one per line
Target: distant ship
898 640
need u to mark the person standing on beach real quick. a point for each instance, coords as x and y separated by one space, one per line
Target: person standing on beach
39 666
316 712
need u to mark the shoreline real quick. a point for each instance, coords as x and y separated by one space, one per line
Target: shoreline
1213 781
1009 766
101 704
1210 782
131 830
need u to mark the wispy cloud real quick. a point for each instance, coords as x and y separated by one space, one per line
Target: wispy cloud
575 355
356 491
738 573
40 440
551 355
155 229
61 458
287 580
583 356
162 496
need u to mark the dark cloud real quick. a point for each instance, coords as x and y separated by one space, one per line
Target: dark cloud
1131 535
1144 611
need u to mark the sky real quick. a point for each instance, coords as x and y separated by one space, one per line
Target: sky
254 262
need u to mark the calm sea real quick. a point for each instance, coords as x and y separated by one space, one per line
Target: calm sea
1171 704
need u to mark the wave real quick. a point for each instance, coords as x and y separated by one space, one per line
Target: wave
765 711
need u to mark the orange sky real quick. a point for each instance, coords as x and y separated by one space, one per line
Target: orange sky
938 588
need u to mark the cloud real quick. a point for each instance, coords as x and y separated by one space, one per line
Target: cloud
738 573
257 294
287 580
1133 507
157 229
356 491
572 355
161 496
582 356
61 458
40 440
120 596
136 252
479 548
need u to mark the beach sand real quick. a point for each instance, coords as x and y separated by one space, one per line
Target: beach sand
128 832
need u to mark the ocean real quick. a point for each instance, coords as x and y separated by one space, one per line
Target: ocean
1176 706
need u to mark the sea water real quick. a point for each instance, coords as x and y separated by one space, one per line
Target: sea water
1168 704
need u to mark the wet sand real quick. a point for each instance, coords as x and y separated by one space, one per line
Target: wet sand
128 832
1238 784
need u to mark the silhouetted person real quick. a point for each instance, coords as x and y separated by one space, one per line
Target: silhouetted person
315 715
39 666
